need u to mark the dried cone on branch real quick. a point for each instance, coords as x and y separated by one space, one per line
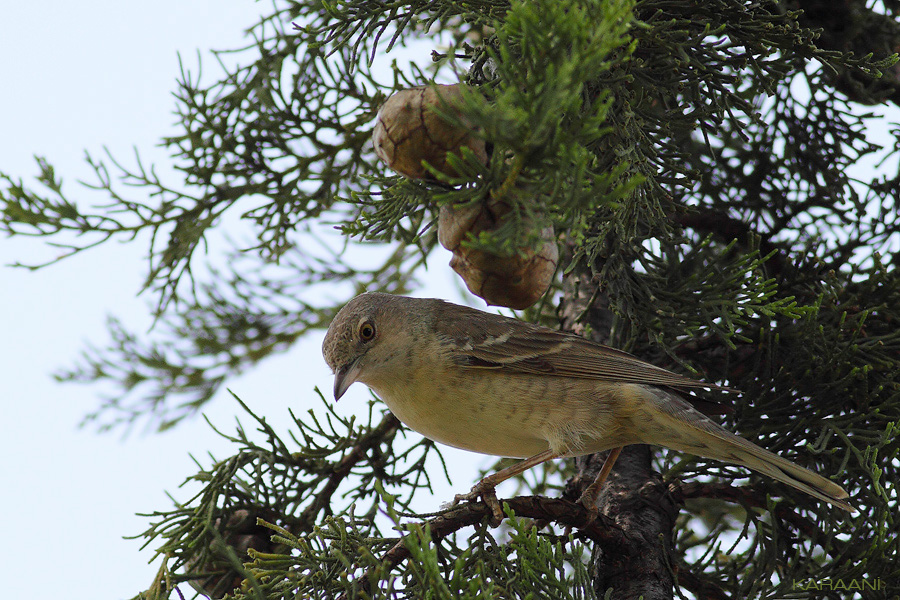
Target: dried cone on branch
516 281
409 131
240 531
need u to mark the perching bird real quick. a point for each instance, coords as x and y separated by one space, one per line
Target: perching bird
495 385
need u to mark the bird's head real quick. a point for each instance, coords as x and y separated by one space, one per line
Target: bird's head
353 346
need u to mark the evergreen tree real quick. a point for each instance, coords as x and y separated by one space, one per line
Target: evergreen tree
703 167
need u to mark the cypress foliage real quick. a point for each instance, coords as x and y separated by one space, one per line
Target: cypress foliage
707 168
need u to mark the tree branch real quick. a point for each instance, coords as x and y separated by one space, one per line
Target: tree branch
727 229
634 495
602 530
701 588
750 498
850 26
388 427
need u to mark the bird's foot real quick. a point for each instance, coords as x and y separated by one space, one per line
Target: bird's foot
485 491
590 501
590 497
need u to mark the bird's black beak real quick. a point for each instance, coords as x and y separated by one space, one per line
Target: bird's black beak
345 377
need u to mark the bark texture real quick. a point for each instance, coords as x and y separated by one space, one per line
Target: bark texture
634 497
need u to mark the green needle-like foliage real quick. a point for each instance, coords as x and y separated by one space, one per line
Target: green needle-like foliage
707 168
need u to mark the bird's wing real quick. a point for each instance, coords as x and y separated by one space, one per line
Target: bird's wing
486 341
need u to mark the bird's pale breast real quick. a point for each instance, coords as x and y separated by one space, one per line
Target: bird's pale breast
502 414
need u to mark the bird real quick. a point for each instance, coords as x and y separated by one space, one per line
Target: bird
500 386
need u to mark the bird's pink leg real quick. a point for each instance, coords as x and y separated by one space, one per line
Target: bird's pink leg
592 492
485 487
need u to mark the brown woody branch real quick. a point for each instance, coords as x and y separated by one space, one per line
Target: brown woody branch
701 588
727 228
600 529
387 427
851 26
755 499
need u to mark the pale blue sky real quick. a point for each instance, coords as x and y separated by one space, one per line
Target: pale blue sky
78 76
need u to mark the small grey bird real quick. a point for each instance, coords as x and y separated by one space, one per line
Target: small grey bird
499 386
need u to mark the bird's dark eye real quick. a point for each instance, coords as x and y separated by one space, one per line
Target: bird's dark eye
366 331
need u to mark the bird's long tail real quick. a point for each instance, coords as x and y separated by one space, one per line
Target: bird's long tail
679 426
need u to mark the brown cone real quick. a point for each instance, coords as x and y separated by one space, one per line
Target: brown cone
516 281
409 131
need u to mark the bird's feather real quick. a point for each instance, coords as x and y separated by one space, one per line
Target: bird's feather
488 341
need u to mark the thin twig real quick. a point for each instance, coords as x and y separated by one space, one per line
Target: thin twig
388 426
598 528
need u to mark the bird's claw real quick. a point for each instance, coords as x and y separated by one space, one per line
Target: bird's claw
589 500
488 495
